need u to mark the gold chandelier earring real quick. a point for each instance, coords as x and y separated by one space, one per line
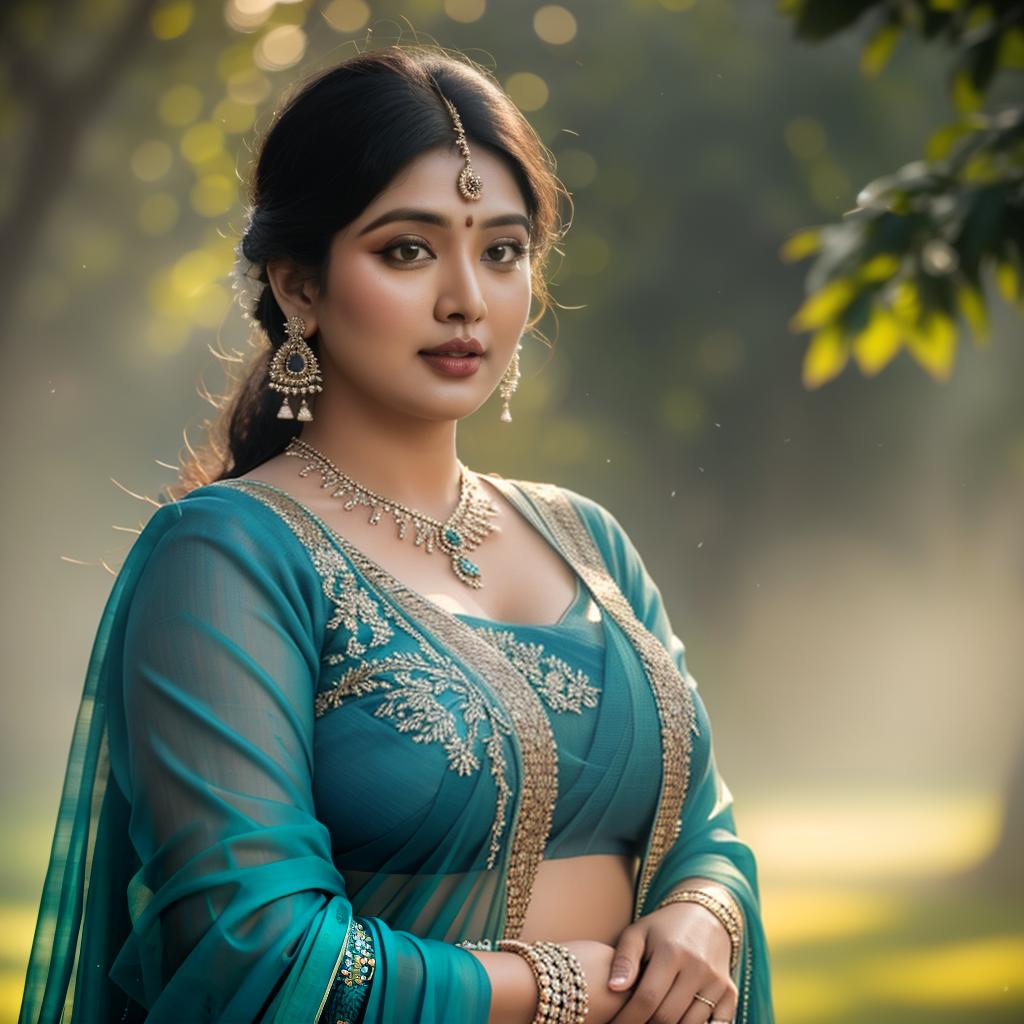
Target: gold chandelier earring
294 370
509 383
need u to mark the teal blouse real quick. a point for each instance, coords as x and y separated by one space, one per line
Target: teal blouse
606 731
276 736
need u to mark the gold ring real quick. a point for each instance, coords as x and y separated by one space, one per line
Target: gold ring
704 1000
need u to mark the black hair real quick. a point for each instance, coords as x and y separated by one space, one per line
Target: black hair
334 146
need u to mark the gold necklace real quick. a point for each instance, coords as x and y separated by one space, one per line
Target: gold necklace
461 532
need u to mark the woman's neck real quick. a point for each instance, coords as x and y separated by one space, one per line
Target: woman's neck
413 463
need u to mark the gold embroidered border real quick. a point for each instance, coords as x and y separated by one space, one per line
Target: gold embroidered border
531 731
562 687
671 691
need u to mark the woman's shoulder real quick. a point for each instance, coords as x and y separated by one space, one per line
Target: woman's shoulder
235 516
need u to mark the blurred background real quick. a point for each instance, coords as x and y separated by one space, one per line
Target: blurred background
839 540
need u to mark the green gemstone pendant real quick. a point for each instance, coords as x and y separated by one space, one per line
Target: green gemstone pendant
461 533
467 571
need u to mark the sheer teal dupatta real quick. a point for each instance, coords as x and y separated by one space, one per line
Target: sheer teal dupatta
226 905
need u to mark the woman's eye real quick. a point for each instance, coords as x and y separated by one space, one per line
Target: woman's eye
513 247
508 252
406 246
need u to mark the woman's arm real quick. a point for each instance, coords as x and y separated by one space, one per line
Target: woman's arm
238 911
514 990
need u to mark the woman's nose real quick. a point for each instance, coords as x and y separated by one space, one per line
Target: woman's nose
461 294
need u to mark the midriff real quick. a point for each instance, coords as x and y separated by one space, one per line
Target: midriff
587 897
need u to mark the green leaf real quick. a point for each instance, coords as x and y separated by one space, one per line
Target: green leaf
800 245
875 346
966 97
878 268
972 308
1011 49
825 357
1008 281
942 140
879 49
933 344
824 305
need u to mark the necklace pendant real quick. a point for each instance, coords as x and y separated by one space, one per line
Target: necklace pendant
467 526
468 572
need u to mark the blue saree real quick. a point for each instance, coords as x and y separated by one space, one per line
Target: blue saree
277 736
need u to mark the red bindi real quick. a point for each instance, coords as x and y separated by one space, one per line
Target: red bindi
469 222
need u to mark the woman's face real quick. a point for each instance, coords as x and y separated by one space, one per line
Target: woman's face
398 285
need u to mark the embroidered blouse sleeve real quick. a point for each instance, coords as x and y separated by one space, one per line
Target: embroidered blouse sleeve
238 911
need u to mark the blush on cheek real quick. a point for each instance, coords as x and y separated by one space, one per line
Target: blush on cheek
370 302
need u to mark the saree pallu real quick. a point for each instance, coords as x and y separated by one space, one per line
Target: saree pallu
277 735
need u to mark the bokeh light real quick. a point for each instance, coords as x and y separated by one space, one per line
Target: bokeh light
249 87
232 116
280 48
202 142
172 20
347 15
158 214
576 167
465 11
529 91
554 24
247 15
151 160
180 105
213 195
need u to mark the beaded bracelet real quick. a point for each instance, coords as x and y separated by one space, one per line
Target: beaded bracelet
724 909
352 982
562 986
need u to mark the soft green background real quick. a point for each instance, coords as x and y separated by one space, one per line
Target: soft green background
846 566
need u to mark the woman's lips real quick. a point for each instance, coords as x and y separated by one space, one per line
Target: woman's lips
452 366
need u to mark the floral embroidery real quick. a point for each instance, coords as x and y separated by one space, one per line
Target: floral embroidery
353 606
412 681
411 701
562 687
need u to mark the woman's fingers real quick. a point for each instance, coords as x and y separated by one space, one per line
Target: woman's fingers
720 991
656 979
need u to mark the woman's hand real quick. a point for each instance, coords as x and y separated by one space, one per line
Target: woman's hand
596 960
685 951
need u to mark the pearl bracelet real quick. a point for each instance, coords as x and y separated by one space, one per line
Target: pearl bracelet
724 909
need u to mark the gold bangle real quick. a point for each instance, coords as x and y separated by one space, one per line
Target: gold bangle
728 915
561 984
573 979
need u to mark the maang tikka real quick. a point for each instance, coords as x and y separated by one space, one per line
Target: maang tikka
469 183
470 186
294 370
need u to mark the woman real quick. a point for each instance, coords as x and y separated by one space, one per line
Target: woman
441 761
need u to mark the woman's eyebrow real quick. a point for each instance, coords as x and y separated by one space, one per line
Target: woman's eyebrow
440 220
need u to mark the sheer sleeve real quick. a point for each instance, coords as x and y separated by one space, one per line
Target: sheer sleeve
707 845
238 911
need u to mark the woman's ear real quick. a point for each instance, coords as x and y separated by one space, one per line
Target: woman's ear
294 288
